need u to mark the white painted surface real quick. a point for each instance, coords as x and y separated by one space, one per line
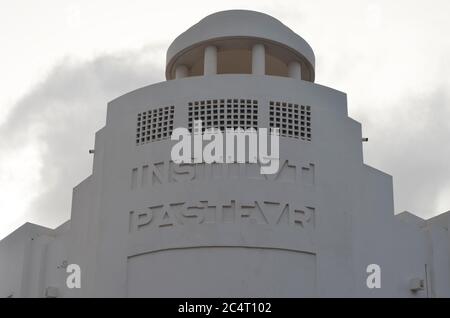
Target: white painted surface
210 66
295 70
258 59
200 273
181 71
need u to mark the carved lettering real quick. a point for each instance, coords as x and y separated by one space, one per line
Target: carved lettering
168 172
232 212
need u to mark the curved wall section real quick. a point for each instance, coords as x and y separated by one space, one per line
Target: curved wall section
222 215
222 272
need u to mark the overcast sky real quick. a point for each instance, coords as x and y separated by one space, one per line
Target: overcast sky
62 61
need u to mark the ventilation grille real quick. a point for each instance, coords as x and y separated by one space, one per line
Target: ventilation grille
224 113
292 119
155 124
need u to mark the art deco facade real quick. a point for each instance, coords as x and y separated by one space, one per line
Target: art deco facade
144 226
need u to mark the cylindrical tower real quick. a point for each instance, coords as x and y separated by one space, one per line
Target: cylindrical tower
199 229
240 42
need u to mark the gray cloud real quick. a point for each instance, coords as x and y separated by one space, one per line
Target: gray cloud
410 141
61 115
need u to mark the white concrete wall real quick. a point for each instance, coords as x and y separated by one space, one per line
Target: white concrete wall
353 222
30 260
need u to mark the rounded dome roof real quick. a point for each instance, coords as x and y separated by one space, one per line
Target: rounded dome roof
240 24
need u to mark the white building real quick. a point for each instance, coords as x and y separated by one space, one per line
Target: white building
144 226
